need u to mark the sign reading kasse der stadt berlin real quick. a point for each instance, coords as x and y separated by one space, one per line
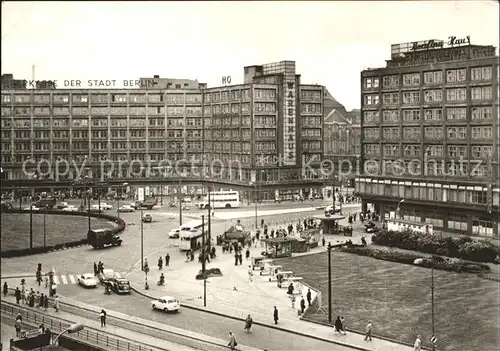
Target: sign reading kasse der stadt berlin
289 140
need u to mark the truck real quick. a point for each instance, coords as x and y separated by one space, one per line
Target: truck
146 204
237 233
99 238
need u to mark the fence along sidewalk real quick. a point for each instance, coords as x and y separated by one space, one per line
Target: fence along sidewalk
89 335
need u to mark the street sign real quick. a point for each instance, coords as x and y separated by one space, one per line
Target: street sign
434 339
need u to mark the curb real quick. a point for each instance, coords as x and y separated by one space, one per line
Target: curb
18 275
261 324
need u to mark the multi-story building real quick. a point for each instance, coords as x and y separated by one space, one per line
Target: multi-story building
265 130
342 130
430 136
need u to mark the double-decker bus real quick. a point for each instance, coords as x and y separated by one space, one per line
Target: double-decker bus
221 199
191 235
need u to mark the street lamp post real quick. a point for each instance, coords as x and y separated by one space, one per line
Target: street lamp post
209 222
74 328
255 200
88 206
432 305
180 200
142 242
329 248
44 228
31 226
118 202
203 260
398 207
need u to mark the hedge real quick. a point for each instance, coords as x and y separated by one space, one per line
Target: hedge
38 250
458 247
447 264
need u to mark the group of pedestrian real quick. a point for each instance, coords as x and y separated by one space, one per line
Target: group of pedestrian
160 261
98 268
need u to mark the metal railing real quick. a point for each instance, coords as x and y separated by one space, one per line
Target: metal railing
88 336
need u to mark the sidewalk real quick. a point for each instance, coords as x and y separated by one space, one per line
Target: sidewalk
234 296
113 320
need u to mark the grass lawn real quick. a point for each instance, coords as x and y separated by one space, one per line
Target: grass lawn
15 229
397 299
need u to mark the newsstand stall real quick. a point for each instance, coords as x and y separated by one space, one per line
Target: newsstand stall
330 224
280 247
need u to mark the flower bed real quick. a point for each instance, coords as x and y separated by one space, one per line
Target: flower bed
462 247
447 264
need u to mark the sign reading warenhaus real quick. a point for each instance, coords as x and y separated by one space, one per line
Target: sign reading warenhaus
289 122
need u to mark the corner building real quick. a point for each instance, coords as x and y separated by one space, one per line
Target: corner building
259 131
430 136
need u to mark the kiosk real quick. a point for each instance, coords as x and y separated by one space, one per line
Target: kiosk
330 224
280 247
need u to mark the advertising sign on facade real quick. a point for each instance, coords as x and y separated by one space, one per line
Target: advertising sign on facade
140 194
289 132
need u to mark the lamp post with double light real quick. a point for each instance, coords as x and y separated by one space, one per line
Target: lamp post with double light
120 187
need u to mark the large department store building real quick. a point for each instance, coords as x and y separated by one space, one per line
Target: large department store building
270 125
430 136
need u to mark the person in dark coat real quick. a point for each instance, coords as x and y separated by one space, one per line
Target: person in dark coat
18 295
275 315
5 289
167 260
308 296
240 256
46 302
95 269
247 254
338 326
102 315
302 305
160 263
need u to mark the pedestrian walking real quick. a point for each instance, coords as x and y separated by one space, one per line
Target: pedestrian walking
95 269
250 273
302 305
46 302
338 326
41 301
309 297
232 341
418 344
103 318
293 301
368 334
241 258
46 281
167 260
5 289
18 295
248 323
342 319
247 254
56 303
160 263
275 315
17 325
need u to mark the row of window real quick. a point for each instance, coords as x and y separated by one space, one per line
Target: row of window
477 151
418 168
433 114
427 194
430 96
434 132
104 98
430 77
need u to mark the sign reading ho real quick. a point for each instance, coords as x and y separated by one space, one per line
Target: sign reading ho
226 80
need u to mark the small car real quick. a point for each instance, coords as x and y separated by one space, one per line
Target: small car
147 218
33 208
166 303
174 233
120 284
126 208
62 205
70 208
106 206
87 280
106 276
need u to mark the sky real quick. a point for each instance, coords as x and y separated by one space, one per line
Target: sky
331 42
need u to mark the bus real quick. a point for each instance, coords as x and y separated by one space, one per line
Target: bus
221 199
191 235
399 225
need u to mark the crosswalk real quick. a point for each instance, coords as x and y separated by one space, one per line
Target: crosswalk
70 278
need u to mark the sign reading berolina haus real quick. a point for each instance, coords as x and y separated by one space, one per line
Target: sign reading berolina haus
289 140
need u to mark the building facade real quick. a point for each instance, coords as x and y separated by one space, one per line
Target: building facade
264 130
430 136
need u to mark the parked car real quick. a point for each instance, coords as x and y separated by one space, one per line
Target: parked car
62 205
87 280
96 208
33 208
174 233
70 208
126 208
166 303
106 206
48 202
147 218
106 276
